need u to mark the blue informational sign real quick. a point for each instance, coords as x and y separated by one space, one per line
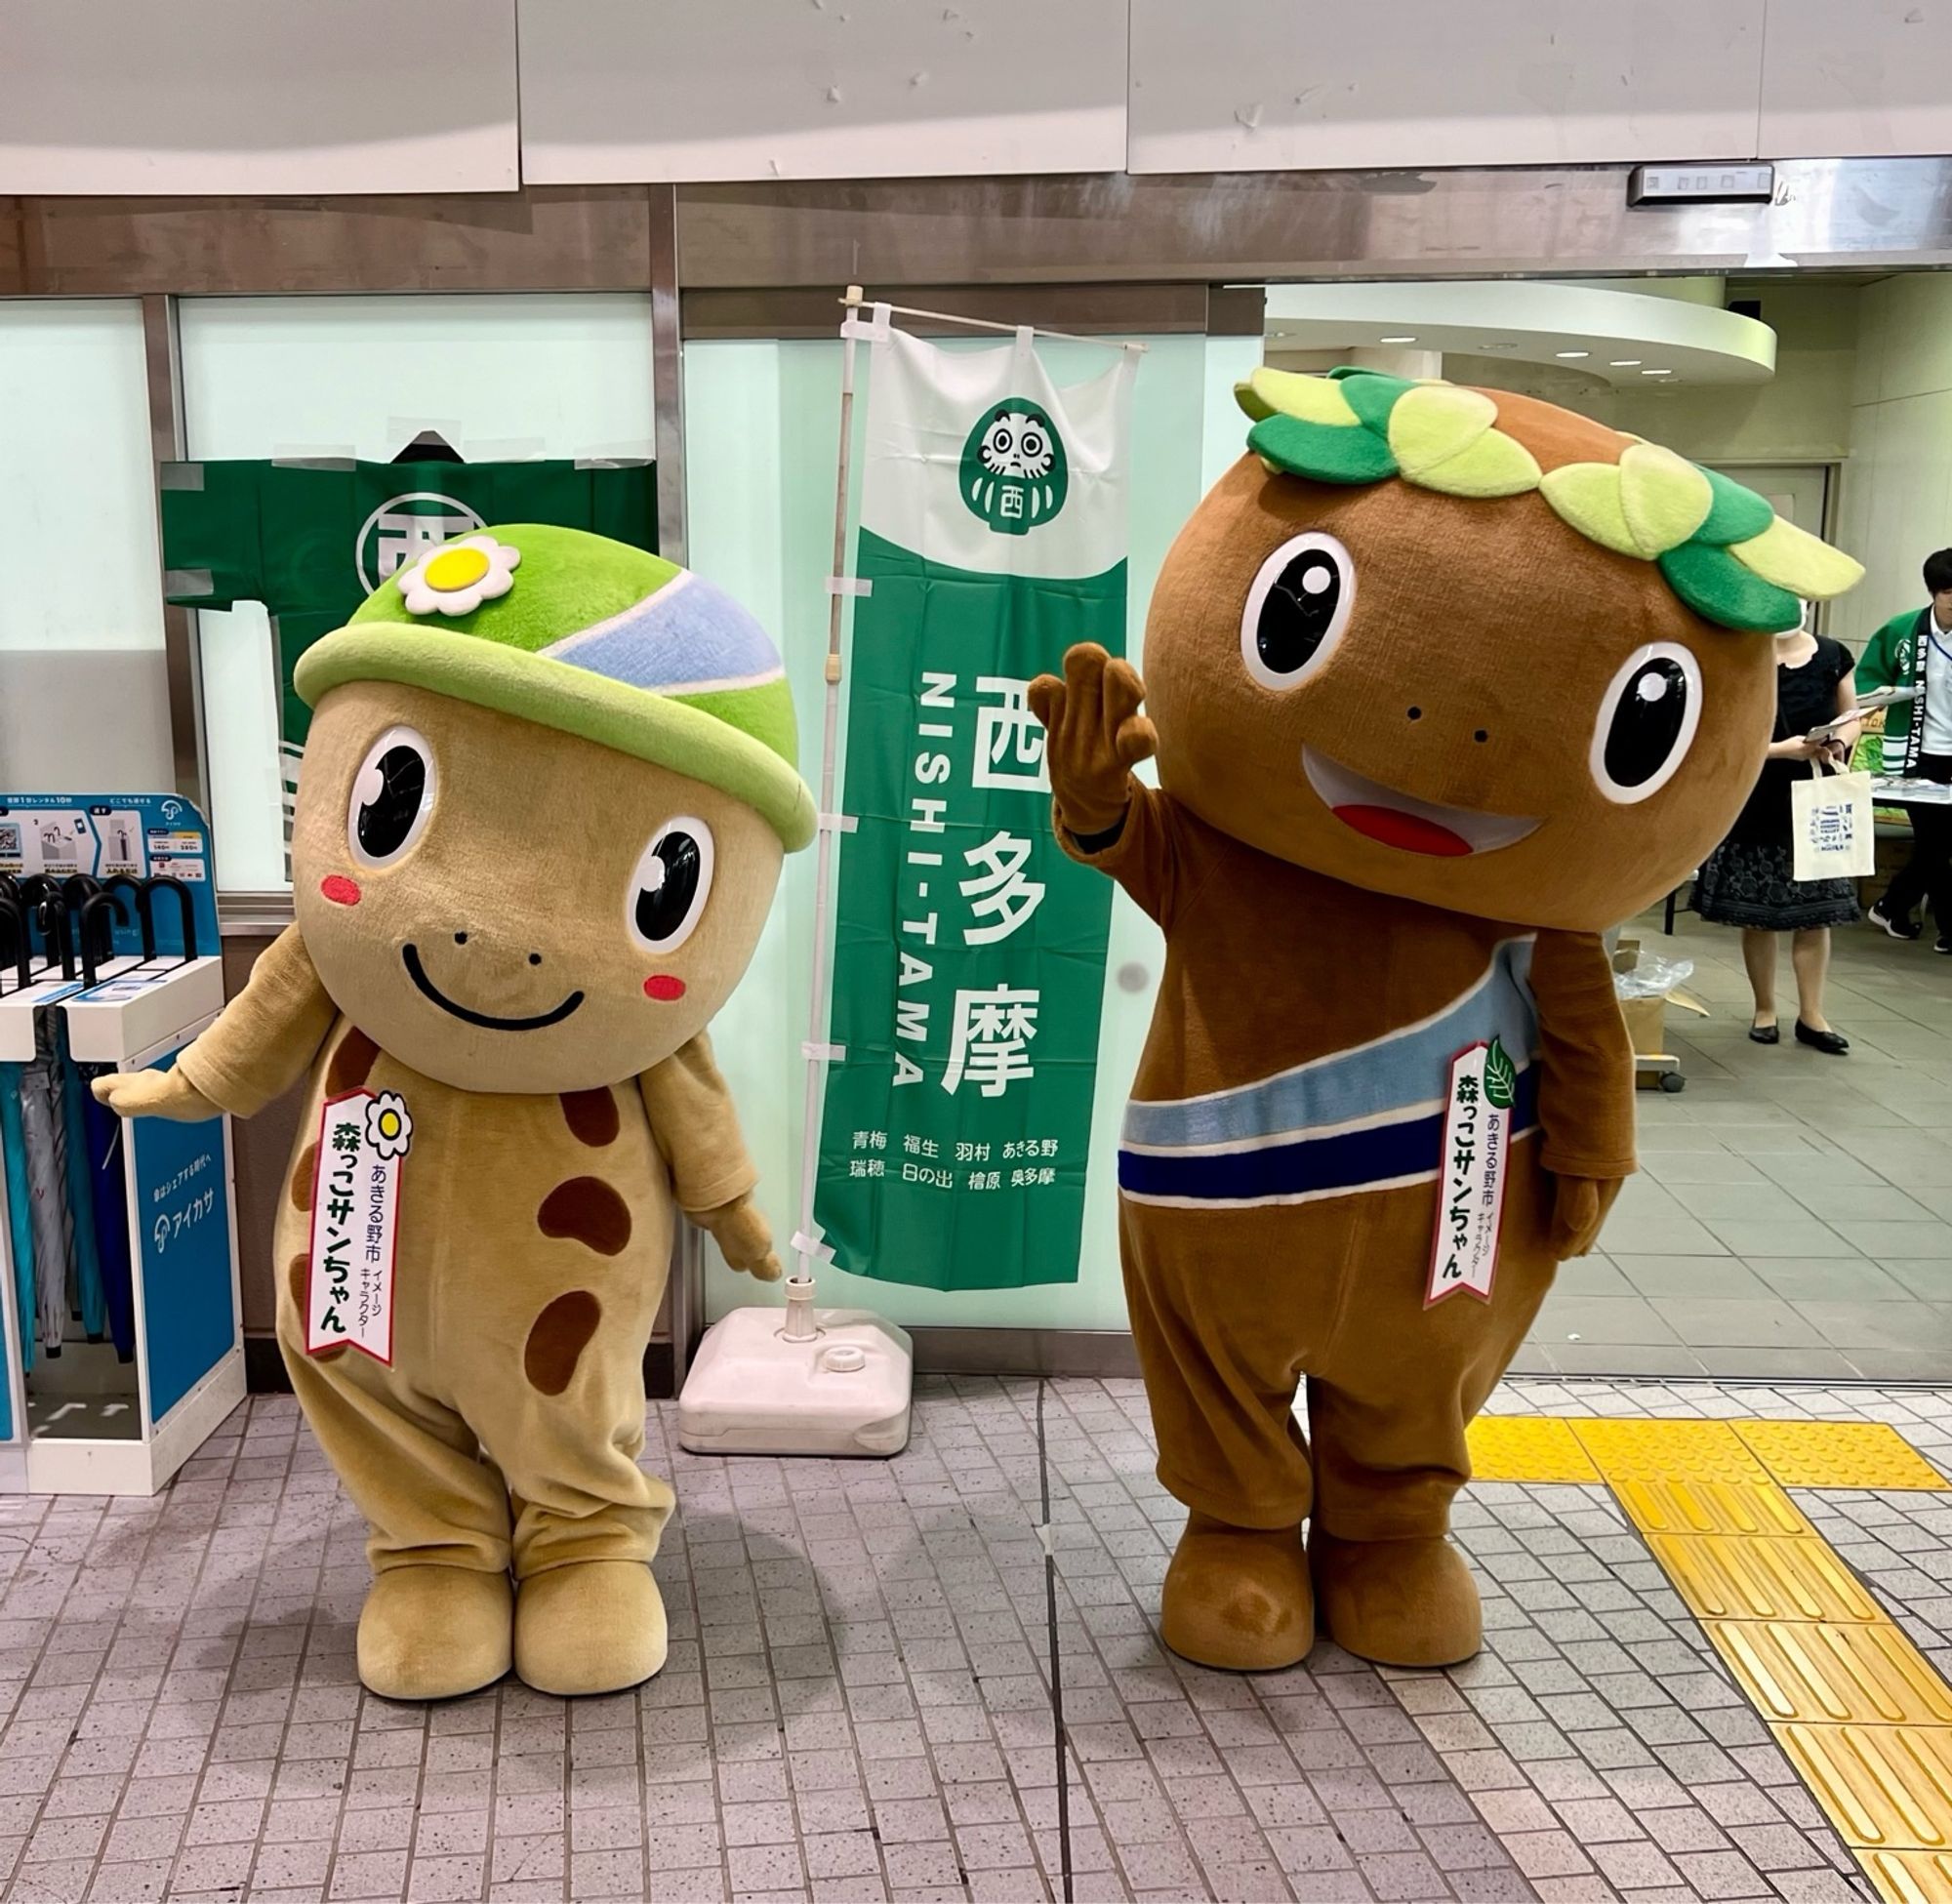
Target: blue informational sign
182 1236
142 836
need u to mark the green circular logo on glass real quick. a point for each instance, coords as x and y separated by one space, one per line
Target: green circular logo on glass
1014 470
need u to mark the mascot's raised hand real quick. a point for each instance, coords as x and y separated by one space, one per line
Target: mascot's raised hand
1094 734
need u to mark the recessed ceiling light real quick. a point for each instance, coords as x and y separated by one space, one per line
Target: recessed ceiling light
1657 373
1572 353
1624 363
1397 340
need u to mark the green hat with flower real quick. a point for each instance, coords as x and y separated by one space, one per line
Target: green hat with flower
592 638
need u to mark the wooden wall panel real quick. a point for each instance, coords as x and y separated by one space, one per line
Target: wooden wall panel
574 238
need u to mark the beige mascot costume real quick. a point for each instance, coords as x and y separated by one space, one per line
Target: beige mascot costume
1445 683
550 781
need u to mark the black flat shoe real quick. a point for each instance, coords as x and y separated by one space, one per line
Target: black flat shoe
1765 1034
1832 1043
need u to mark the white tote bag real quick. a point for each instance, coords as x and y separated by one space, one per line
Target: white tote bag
1831 825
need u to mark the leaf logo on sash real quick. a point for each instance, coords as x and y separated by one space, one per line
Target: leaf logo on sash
1500 1077
1015 475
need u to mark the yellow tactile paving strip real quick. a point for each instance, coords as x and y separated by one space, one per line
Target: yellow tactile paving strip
1528 1448
1837 1454
1860 1711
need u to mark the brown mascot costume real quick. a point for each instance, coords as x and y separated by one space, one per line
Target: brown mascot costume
1446 682
550 782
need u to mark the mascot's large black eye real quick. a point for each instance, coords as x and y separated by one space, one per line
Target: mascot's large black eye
1296 609
393 796
1647 718
669 885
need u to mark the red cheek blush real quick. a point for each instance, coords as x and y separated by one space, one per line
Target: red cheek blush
340 890
662 985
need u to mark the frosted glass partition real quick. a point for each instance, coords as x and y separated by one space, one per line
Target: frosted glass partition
83 692
761 433
498 377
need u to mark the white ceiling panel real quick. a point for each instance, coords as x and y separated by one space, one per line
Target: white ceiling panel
1263 85
221 96
1866 79
623 89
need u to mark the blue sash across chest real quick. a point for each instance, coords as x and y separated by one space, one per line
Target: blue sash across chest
1370 1118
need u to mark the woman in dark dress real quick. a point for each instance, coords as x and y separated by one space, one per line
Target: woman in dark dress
1748 880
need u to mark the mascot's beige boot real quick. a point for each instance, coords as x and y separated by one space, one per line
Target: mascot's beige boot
1399 1603
434 1632
1238 1597
593 1626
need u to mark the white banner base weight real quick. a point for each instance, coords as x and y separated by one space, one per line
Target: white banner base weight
845 1392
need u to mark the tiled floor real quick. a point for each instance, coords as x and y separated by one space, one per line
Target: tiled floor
856 1704
1793 1214
857 1701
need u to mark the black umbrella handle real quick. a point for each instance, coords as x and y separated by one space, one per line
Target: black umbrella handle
162 882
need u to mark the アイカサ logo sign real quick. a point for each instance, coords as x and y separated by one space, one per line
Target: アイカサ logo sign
401 531
1014 472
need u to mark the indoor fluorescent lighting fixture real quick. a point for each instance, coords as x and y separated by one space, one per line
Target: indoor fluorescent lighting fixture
1397 340
1623 363
1657 373
1572 353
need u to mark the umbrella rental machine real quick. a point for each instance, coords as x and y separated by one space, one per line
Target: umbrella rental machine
123 1346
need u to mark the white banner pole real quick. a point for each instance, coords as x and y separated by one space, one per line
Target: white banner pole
805 1242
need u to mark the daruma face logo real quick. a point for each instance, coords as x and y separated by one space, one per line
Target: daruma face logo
400 530
1014 472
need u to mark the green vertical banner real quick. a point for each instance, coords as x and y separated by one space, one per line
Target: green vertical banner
312 537
969 952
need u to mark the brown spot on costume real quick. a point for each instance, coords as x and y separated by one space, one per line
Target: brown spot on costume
304 1173
557 1340
352 1063
592 1117
588 1211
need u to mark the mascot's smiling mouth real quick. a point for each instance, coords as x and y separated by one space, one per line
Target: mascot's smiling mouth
410 958
1398 820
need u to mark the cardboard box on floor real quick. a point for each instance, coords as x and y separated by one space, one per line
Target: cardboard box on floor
1646 1020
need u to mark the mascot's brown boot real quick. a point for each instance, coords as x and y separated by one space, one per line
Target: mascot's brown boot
1238 1597
1399 1603
434 1632
595 1626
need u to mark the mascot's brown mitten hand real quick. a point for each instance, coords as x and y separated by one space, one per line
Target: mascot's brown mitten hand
744 1237
1094 736
1579 1206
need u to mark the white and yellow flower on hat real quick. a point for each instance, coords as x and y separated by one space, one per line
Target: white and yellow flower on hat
390 1129
460 576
